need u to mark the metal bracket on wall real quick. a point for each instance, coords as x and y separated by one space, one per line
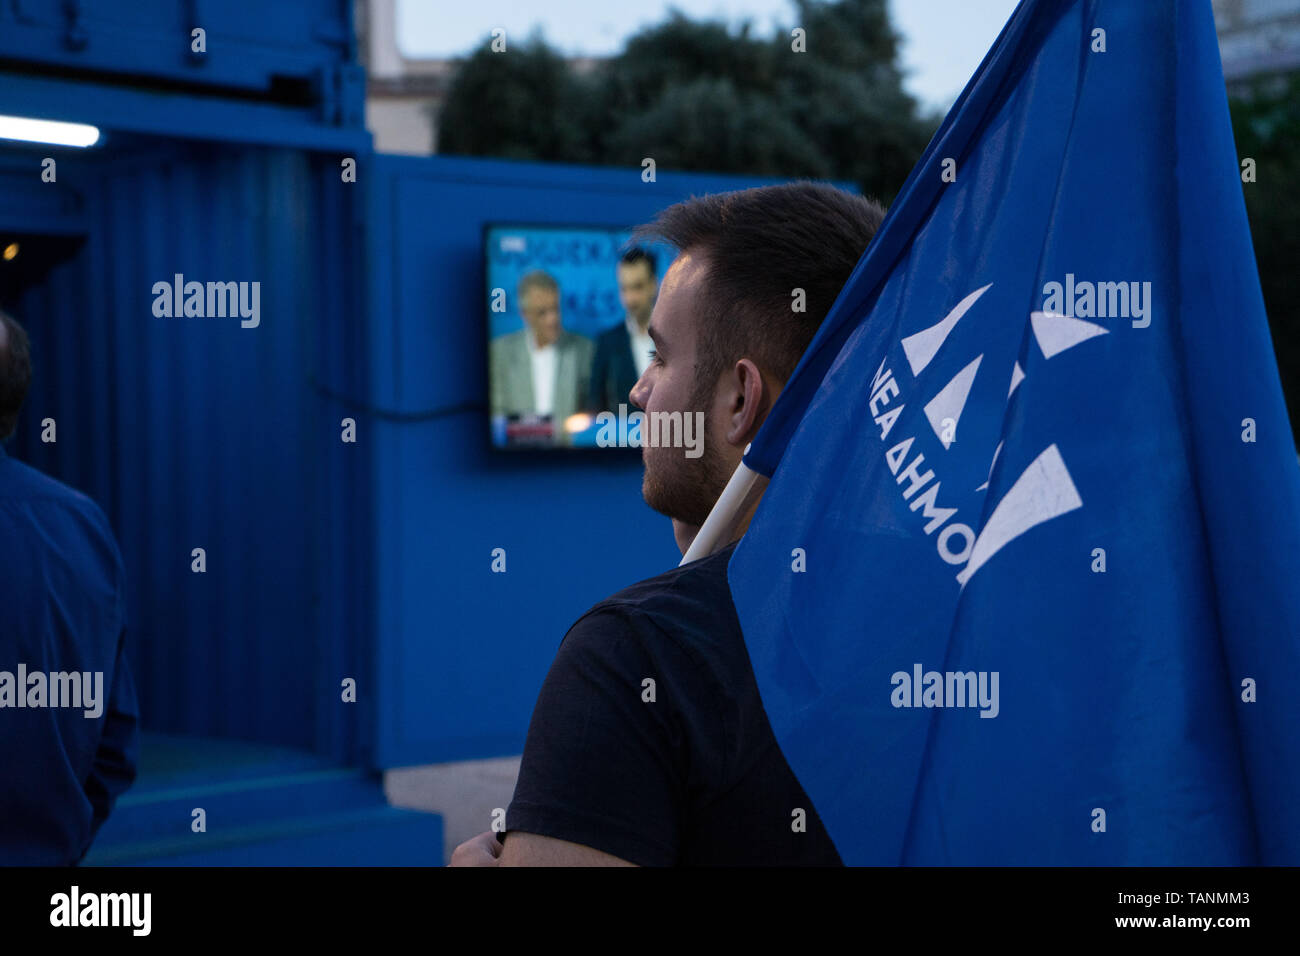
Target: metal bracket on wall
75 36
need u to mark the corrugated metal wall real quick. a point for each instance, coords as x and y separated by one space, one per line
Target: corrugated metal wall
196 433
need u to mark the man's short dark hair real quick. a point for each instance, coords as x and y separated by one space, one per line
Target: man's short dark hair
15 373
758 246
637 254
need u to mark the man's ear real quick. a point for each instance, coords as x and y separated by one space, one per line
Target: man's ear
752 397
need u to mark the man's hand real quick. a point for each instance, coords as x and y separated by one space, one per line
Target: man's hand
529 849
482 850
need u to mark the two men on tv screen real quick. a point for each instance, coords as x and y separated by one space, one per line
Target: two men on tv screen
544 374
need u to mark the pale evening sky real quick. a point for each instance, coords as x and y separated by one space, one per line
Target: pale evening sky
943 40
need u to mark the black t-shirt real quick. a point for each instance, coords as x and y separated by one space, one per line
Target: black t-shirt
681 771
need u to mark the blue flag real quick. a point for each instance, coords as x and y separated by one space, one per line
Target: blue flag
1024 586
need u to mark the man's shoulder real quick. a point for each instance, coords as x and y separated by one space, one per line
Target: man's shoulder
575 341
685 603
21 482
509 342
37 493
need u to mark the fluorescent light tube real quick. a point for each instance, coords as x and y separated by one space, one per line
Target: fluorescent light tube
48 131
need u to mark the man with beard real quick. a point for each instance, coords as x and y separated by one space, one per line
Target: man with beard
649 744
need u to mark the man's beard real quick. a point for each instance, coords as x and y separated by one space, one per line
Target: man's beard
682 488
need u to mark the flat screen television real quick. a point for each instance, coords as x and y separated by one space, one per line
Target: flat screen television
566 307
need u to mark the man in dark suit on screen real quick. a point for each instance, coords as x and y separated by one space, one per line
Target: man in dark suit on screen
623 352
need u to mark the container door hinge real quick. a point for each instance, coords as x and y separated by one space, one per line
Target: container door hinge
341 92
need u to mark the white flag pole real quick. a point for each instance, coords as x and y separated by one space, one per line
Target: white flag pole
721 522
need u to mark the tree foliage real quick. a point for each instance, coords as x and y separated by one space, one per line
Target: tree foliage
1266 126
524 104
702 96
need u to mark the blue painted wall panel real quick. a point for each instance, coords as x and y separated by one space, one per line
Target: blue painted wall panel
248 42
